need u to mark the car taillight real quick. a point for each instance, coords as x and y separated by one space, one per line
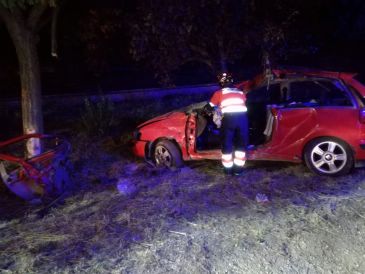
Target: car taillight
362 116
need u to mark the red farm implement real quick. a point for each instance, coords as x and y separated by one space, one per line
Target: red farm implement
39 176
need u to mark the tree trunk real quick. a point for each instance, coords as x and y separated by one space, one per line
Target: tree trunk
30 84
25 41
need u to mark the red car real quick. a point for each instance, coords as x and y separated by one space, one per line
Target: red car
316 117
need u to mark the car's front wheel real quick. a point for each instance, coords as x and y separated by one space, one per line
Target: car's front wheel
329 156
167 154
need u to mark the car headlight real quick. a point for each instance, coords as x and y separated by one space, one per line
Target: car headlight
137 135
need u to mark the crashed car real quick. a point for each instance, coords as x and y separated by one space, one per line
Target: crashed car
295 115
35 176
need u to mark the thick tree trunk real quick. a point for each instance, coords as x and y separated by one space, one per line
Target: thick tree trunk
25 41
30 90
30 84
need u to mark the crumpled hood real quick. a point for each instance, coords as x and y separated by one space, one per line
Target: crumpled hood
178 114
161 118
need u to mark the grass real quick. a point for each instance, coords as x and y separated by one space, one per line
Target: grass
126 217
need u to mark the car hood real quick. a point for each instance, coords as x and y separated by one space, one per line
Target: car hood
184 111
165 116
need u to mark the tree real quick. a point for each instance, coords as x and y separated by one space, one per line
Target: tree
169 34
24 20
100 31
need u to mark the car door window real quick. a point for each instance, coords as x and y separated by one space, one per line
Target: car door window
265 95
318 93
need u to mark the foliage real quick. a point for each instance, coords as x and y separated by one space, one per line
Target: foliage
100 27
97 116
23 4
167 35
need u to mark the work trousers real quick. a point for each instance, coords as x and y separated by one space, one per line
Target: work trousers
234 132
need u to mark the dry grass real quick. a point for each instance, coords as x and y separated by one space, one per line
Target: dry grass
191 220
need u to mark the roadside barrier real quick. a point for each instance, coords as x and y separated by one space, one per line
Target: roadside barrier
116 96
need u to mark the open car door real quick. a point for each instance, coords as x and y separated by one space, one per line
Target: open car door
288 128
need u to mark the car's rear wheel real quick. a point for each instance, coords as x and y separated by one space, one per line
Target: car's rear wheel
167 154
329 156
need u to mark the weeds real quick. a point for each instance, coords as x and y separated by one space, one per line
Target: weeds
97 117
193 214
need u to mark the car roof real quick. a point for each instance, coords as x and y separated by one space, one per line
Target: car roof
306 72
287 73
347 77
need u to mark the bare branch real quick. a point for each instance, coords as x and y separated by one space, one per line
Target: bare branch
201 60
199 50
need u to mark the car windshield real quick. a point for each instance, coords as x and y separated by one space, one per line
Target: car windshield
192 107
360 77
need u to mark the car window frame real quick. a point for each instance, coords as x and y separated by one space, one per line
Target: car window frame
350 95
279 82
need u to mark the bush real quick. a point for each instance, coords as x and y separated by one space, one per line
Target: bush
97 117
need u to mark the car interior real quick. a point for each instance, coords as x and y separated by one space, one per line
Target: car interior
293 93
258 103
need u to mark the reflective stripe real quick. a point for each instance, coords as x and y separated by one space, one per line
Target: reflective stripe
239 162
235 108
227 160
227 157
240 154
232 101
211 104
227 164
231 90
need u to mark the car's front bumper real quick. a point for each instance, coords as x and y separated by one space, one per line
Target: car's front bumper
139 148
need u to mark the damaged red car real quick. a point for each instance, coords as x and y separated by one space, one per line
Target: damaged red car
296 115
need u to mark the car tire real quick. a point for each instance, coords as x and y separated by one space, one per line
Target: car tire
329 156
167 154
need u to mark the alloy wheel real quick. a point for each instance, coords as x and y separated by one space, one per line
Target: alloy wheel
163 156
328 157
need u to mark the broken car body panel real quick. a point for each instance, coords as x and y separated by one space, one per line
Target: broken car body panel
37 176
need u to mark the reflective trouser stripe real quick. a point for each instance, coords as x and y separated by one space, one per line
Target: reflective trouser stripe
240 155
239 162
239 158
227 160
234 108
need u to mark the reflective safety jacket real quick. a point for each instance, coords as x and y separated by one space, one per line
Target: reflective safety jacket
229 100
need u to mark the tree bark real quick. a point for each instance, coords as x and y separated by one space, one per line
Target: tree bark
26 47
25 41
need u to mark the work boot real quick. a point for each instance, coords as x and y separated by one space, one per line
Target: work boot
227 171
237 170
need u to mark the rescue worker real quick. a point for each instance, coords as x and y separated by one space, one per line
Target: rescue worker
234 131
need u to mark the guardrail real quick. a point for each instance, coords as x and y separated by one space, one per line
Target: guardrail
121 95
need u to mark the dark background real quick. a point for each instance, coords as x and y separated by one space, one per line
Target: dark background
95 38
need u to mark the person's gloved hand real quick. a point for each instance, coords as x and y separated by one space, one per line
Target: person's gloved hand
208 110
217 117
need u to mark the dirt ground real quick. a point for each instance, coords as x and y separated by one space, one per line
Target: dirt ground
123 216
126 217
